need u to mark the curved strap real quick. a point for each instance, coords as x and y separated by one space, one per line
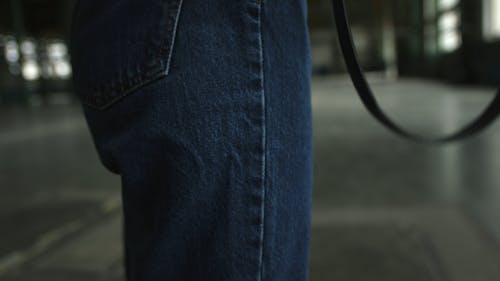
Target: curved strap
368 99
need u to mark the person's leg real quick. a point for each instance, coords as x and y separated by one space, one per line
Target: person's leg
289 137
215 152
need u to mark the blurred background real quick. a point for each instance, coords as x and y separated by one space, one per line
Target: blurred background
384 209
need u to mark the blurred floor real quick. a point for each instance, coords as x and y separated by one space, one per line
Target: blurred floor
53 192
384 209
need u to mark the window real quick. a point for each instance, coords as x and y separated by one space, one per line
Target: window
449 36
449 40
447 4
491 19
448 21
442 26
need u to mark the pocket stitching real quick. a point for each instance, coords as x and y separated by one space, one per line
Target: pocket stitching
106 94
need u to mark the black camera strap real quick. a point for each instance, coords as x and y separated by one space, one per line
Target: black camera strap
367 97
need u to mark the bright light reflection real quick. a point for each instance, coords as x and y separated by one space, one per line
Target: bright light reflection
11 51
28 48
496 17
57 50
491 19
31 70
449 20
447 4
62 69
450 41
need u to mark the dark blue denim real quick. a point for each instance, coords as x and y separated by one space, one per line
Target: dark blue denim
203 108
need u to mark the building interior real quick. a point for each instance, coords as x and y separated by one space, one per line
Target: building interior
384 208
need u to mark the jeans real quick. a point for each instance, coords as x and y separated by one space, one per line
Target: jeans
203 109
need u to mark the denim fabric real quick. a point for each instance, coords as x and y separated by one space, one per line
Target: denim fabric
211 136
121 45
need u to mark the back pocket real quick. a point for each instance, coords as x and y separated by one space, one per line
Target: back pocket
119 46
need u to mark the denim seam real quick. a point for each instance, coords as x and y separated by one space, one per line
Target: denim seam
173 35
264 143
142 81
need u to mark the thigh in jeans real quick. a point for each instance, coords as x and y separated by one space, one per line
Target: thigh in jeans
203 108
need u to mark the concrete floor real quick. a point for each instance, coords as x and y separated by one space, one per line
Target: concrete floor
384 209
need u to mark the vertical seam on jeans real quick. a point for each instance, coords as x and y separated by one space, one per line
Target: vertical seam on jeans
264 144
172 41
